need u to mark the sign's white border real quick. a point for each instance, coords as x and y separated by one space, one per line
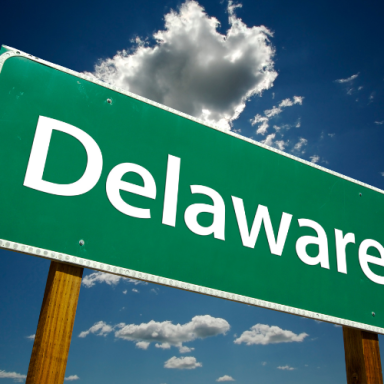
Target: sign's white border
129 273
52 255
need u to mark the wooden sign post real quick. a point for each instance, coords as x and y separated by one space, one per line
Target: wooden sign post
362 357
54 330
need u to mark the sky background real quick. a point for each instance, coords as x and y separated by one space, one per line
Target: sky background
304 77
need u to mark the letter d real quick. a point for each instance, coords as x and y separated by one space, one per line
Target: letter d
34 175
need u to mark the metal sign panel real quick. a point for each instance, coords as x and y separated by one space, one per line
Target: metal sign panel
96 176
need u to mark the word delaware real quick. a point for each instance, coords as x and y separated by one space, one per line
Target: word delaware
115 184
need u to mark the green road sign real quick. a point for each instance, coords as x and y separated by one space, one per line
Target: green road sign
96 176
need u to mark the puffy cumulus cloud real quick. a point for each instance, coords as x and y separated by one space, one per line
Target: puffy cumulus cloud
17 377
348 79
195 69
187 362
263 121
225 378
99 329
264 334
185 349
72 378
166 334
31 337
143 345
286 368
107 278
163 345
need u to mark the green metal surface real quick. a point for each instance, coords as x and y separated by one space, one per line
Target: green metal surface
129 130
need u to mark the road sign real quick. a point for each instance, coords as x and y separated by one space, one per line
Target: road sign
98 177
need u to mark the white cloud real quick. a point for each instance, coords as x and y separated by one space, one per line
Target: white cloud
187 362
31 337
163 345
125 292
286 368
300 144
314 159
193 68
99 329
274 111
286 103
17 377
298 100
382 173
72 378
101 277
269 140
264 334
262 128
182 348
331 134
264 363
185 349
349 79
225 378
143 345
135 290
165 333
279 144
258 119
289 103
379 122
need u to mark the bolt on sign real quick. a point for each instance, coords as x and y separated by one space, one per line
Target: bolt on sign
95 176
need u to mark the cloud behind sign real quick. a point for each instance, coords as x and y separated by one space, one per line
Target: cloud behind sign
195 69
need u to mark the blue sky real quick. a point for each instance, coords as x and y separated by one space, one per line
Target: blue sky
320 97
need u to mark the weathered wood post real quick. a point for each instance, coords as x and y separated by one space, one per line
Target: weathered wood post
54 330
362 357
